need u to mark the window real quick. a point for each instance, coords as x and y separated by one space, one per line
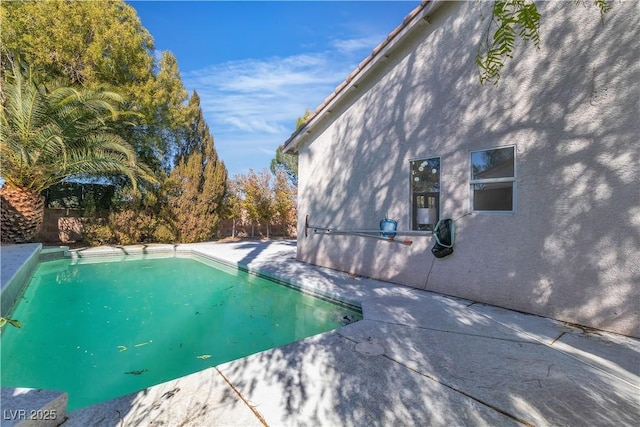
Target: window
425 193
493 180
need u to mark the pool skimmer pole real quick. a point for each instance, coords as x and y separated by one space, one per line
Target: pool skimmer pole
375 234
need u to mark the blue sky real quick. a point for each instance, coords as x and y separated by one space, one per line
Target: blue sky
259 65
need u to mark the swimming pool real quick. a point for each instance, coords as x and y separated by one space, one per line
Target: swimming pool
100 329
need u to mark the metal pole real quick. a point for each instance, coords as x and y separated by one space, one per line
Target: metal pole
342 233
317 228
396 232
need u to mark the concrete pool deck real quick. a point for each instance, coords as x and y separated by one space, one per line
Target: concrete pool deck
417 358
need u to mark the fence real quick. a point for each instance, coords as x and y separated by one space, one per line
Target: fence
64 227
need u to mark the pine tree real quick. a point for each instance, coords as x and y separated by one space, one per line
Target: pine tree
197 184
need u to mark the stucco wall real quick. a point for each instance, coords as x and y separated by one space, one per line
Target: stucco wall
571 250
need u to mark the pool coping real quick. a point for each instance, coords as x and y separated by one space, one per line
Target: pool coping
242 392
18 264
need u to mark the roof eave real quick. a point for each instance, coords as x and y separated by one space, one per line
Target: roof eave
377 57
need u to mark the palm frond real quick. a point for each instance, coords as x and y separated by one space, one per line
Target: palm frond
53 131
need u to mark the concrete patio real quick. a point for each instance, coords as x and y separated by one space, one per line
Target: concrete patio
417 358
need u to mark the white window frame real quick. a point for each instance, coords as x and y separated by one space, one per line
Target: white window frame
513 180
419 159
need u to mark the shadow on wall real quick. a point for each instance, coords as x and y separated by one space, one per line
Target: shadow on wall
570 109
586 153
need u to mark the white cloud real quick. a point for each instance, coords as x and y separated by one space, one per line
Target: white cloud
255 125
357 44
264 95
252 105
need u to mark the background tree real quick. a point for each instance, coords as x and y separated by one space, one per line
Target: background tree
197 185
91 43
96 44
288 163
103 43
284 201
256 197
50 132
166 114
232 204
261 198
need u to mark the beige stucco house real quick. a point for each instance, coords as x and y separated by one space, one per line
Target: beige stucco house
541 173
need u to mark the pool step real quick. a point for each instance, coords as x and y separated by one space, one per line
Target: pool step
54 253
30 407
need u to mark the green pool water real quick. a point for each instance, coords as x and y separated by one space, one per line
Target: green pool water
100 330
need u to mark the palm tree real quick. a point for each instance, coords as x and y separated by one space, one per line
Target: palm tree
49 132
